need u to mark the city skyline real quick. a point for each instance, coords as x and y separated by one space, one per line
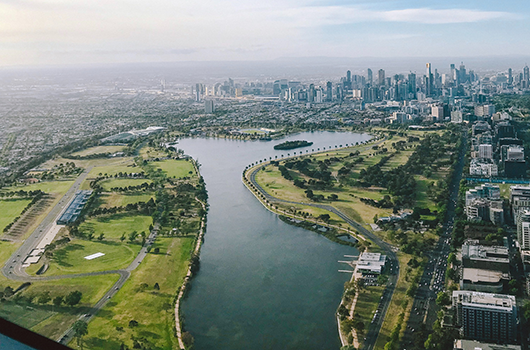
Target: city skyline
57 32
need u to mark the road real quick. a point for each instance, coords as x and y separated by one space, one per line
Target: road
375 327
424 309
13 267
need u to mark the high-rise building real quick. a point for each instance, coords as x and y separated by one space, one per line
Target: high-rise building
411 86
510 76
381 77
428 81
485 151
370 78
209 107
198 91
485 316
329 91
526 76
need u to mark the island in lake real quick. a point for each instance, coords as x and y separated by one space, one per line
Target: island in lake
293 144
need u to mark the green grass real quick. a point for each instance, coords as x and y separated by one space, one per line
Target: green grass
111 170
71 258
54 187
176 168
52 321
422 200
149 152
98 149
10 209
116 199
367 303
151 308
111 183
115 225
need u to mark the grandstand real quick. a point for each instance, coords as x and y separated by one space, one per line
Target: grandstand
74 208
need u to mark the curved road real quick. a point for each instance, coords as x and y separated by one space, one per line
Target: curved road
375 327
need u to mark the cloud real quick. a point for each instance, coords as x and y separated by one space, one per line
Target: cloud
444 16
311 16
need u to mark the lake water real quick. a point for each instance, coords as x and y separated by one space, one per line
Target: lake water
263 284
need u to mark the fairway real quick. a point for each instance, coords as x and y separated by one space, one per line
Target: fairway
115 225
176 168
150 307
52 187
117 200
10 209
111 170
98 150
111 183
71 258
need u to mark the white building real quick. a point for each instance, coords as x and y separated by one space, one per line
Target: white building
370 263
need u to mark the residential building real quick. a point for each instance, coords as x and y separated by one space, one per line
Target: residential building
485 316
464 344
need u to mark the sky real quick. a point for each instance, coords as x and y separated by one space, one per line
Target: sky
44 32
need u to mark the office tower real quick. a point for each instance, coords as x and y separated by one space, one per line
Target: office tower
348 76
462 73
209 107
311 93
381 77
486 316
510 76
411 86
370 77
276 88
329 91
526 77
428 81
453 72
198 88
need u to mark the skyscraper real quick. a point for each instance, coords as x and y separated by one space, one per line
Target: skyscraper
510 76
370 77
381 77
329 91
411 86
526 76
428 81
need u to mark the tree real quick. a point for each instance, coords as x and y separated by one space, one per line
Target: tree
133 323
324 217
73 298
44 298
122 238
80 330
58 300
100 237
133 235
156 286
443 299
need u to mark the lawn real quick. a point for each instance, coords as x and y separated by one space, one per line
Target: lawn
10 209
71 258
149 152
422 200
110 170
98 150
151 308
54 187
395 307
367 302
176 168
115 225
116 199
52 321
110 183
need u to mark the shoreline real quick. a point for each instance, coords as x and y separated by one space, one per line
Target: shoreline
189 275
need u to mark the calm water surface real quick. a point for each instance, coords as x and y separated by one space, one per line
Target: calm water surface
263 284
